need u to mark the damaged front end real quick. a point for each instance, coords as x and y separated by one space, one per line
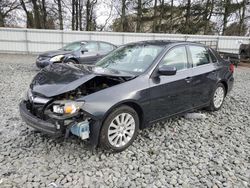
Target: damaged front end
56 118
54 104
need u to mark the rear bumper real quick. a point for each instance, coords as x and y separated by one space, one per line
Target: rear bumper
37 123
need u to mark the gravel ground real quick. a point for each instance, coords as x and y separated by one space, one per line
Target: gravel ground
210 152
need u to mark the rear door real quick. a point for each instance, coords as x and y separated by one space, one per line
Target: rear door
172 94
204 74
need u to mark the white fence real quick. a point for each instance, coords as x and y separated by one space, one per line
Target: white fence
14 40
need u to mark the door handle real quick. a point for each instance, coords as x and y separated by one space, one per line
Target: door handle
188 79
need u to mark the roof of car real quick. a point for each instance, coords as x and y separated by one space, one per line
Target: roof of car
86 41
165 42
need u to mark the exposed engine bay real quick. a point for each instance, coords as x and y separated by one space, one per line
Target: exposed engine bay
94 85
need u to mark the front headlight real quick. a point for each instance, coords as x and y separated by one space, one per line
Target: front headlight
67 107
56 58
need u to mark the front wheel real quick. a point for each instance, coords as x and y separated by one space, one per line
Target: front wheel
218 98
119 129
71 62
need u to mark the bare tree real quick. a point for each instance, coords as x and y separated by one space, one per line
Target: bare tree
102 27
139 15
209 7
73 14
7 6
37 19
29 15
90 4
226 14
123 15
154 17
242 15
59 5
187 16
171 15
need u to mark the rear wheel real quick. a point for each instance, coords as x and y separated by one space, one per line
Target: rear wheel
242 55
119 129
218 98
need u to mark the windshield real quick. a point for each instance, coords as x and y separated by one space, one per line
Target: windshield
72 46
135 58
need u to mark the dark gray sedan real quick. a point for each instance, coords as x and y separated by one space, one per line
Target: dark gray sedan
133 87
87 52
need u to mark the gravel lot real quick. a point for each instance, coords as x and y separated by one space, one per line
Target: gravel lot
209 152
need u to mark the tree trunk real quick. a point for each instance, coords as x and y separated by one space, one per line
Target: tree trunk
80 15
225 15
87 15
207 15
59 4
77 14
1 20
242 17
29 15
139 15
36 14
187 17
123 16
73 15
161 16
44 15
171 16
154 17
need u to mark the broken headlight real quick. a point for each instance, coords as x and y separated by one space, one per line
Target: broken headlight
69 107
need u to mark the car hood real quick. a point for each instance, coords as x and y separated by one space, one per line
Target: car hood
57 79
54 53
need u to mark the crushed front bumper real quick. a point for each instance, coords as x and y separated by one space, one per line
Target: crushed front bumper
37 123
51 129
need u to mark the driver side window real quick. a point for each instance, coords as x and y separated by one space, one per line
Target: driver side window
91 47
176 57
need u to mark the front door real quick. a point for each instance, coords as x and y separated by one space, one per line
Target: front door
89 53
171 94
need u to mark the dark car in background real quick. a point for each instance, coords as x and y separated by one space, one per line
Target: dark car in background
244 51
87 52
134 86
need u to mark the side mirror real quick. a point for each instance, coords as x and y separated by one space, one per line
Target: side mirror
167 70
83 50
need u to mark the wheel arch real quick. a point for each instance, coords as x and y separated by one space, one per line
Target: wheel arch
131 103
72 58
224 82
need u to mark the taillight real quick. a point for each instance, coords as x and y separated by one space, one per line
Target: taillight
231 68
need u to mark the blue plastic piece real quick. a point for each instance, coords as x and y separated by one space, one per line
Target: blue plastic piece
81 129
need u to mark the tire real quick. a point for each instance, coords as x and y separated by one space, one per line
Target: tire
116 135
243 55
71 61
218 98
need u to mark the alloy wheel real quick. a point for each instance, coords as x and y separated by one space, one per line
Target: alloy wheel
121 130
219 95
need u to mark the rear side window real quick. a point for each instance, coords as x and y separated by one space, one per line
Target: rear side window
176 57
199 55
104 47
